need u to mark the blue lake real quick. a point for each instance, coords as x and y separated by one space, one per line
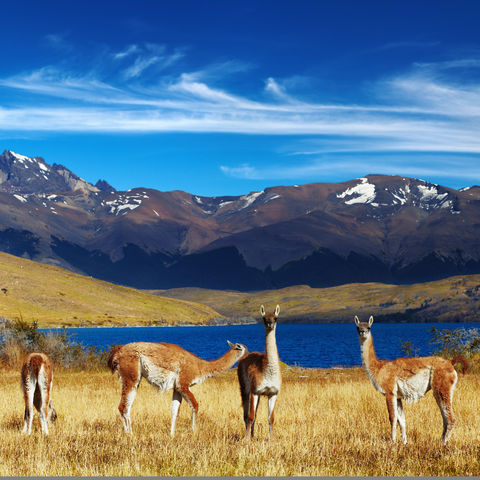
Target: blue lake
307 345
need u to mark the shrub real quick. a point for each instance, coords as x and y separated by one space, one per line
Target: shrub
18 338
409 349
460 341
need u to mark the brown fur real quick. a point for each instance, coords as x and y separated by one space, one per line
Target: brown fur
166 366
463 361
414 375
111 363
253 369
36 380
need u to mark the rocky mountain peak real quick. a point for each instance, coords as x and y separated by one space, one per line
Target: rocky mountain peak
24 175
104 186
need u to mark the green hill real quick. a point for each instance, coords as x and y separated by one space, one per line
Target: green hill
454 299
56 297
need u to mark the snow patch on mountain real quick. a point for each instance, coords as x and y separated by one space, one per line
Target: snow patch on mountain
124 203
19 197
249 199
364 193
401 195
127 205
20 158
430 193
273 197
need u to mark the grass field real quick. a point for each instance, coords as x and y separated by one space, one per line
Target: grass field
328 422
53 297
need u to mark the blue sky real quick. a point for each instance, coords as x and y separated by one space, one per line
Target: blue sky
223 97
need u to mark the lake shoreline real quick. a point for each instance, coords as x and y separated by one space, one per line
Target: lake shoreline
307 345
237 324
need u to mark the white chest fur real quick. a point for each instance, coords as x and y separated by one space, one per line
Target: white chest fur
271 382
413 388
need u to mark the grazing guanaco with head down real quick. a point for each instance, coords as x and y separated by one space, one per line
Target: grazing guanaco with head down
409 379
36 379
259 374
165 366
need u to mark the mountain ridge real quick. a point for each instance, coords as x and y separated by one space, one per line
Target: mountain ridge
374 228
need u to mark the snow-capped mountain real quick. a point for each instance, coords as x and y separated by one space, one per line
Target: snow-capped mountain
376 228
19 173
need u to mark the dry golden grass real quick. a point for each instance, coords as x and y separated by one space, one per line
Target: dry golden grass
328 422
56 297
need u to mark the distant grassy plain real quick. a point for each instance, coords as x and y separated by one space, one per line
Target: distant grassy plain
455 299
327 422
56 297
53 296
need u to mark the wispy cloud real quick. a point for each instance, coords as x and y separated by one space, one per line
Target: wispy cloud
139 66
427 109
461 169
130 50
141 57
278 91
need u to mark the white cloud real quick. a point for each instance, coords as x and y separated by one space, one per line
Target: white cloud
276 90
464 169
130 50
422 110
242 171
139 66
144 56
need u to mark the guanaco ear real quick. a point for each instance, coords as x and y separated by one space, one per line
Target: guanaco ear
370 321
230 344
357 321
262 310
277 311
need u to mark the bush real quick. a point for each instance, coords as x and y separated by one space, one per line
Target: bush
18 338
409 349
460 341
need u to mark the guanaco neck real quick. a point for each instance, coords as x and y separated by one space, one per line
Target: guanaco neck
271 352
215 367
369 358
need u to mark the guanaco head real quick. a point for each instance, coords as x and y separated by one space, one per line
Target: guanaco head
363 328
52 414
269 319
242 349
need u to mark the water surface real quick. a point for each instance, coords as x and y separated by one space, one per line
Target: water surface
307 345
